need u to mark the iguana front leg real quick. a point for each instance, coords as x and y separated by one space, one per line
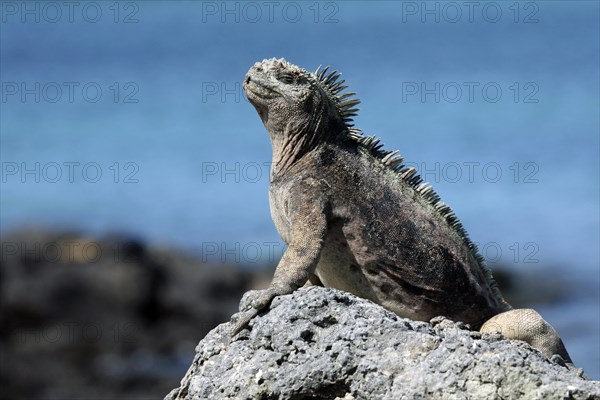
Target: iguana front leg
308 229
527 325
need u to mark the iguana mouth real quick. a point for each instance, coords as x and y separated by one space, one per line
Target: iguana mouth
256 90
257 95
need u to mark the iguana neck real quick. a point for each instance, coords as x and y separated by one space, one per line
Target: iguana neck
296 140
288 149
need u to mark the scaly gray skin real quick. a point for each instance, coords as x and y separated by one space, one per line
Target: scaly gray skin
356 219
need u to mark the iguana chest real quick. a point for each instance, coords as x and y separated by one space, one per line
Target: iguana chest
278 203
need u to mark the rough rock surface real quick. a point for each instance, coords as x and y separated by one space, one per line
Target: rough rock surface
320 343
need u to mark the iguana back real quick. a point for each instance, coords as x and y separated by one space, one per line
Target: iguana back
388 243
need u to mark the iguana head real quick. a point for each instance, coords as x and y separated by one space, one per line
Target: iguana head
300 109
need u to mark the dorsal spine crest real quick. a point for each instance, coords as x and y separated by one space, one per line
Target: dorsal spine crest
346 105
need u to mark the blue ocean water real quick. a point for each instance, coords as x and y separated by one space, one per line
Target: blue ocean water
130 117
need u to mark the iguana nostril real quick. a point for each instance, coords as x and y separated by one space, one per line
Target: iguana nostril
247 80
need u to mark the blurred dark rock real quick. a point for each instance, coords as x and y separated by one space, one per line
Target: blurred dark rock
534 286
104 318
320 343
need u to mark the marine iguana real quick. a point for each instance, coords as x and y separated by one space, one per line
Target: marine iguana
356 219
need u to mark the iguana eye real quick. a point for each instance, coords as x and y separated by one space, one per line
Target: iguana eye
286 78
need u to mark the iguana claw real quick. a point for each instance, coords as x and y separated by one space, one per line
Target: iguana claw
253 302
241 319
558 359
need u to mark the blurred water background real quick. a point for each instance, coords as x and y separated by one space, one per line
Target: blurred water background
130 117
